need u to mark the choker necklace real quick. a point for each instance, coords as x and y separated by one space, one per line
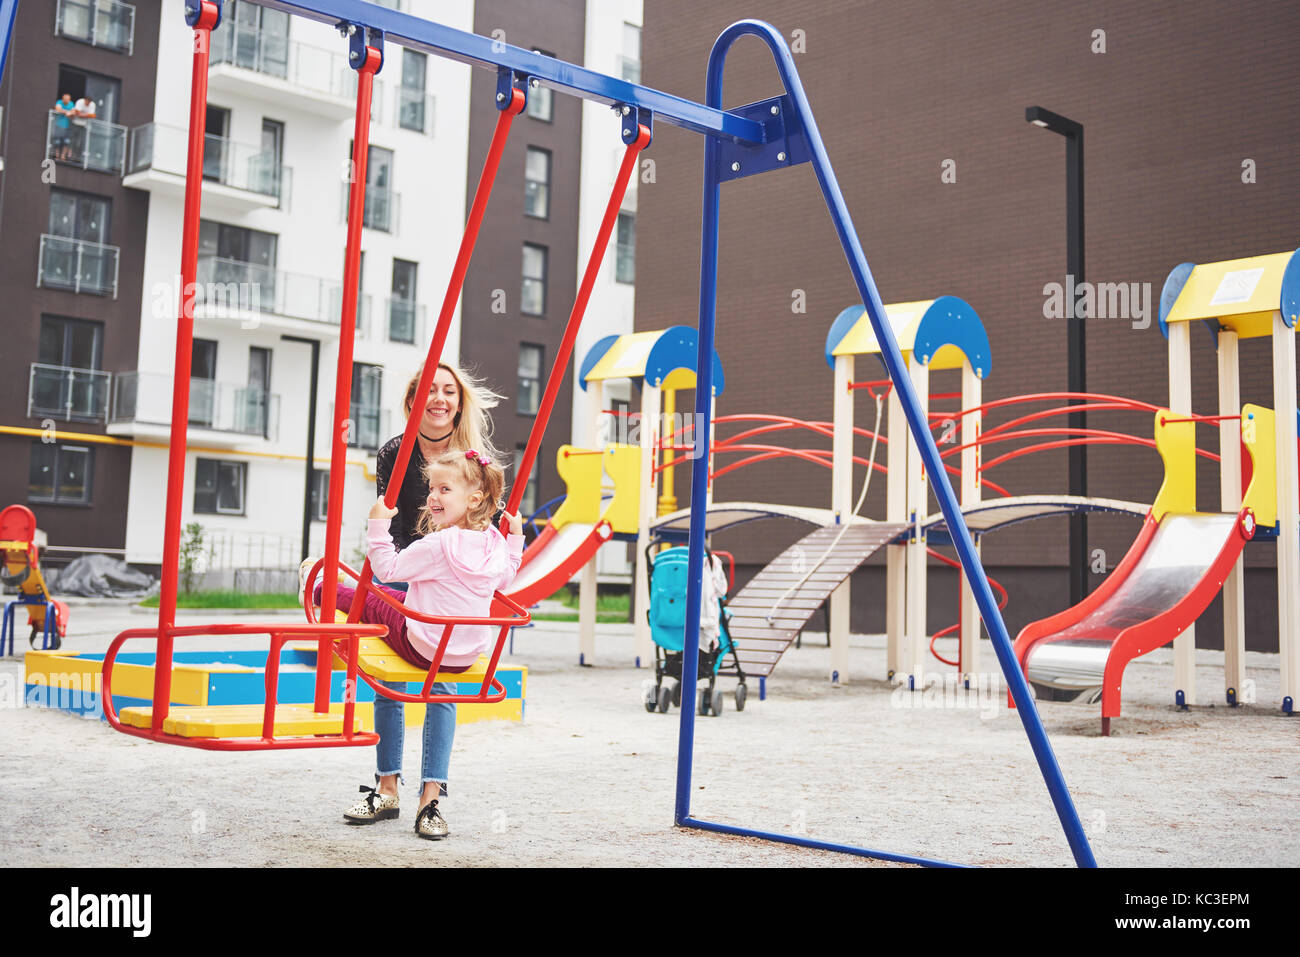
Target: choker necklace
443 439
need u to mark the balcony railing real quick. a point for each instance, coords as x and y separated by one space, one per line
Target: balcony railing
63 392
415 110
90 144
146 397
382 206
231 289
271 54
405 321
237 165
77 266
363 310
101 23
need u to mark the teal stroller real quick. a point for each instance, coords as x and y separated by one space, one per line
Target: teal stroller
667 615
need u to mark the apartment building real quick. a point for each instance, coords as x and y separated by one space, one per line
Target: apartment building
281 102
73 239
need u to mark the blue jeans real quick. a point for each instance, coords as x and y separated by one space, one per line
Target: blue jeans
439 731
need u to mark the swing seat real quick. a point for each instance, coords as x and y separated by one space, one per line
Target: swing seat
240 721
376 660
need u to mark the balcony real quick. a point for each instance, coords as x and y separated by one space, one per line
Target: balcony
414 111
90 144
77 266
363 311
101 23
382 206
369 426
238 177
72 395
405 321
267 66
221 413
264 297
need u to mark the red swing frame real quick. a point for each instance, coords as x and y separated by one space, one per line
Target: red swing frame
367 59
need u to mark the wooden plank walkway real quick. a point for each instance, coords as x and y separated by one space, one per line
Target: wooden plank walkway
760 642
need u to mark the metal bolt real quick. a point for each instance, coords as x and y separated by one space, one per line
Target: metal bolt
191 12
354 55
775 110
534 83
352 29
627 134
626 110
501 97
780 157
735 167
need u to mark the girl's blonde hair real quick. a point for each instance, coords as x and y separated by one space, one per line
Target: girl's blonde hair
473 427
489 479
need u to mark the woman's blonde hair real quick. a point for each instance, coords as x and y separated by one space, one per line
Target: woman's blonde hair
473 427
490 479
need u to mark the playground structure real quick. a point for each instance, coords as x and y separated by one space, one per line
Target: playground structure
20 566
771 134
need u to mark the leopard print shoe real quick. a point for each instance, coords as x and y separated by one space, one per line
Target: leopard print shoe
430 824
373 807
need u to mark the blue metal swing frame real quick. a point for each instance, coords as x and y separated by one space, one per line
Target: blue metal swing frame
757 138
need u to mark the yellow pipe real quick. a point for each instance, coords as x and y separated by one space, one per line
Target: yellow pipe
667 500
113 440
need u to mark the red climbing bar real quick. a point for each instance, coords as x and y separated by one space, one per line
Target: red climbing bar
207 16
561 365
343 375
452 296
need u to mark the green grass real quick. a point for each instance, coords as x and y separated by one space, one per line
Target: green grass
229 599
564 616
613 602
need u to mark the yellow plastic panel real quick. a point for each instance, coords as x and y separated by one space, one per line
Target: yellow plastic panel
1176 442
948 357
512 709
623 465
903 319
1260 440
582 480
626 358
238 721
679 378
1242 294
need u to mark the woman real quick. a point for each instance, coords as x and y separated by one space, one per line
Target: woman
454 419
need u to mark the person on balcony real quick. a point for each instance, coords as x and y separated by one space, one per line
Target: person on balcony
61 135
84 112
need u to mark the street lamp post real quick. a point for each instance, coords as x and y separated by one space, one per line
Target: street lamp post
1076 360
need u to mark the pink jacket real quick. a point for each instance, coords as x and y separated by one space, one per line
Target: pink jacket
452 572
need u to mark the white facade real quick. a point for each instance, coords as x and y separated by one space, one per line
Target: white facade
428 178
612 47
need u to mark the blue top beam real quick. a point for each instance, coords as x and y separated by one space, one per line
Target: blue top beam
428 37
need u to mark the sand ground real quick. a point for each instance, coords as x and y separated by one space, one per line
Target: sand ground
589 777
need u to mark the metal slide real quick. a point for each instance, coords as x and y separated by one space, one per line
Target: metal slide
1168 578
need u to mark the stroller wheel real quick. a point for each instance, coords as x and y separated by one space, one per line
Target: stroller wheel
651 700
677 694
715 703
703 704
741 694
665 696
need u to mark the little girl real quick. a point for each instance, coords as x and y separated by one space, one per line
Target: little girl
453 570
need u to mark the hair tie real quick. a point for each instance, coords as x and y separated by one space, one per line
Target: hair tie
482 460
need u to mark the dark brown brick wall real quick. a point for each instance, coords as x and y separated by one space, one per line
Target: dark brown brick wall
490 341
27 93
1183 94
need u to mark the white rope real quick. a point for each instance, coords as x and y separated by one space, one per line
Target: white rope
871 467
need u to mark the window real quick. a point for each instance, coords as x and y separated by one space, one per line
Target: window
631 58
528 503
219 486
320 490
625 258
78 216
237 244
541 101
60 474
537 183
380 210
65 382
216 128
533 294
411 97
530 377
83 126
203 382
401 307
101 23
254 38
266 168
255 401
367 427
106 91
616 423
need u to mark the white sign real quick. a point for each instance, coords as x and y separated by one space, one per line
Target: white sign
1237 287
